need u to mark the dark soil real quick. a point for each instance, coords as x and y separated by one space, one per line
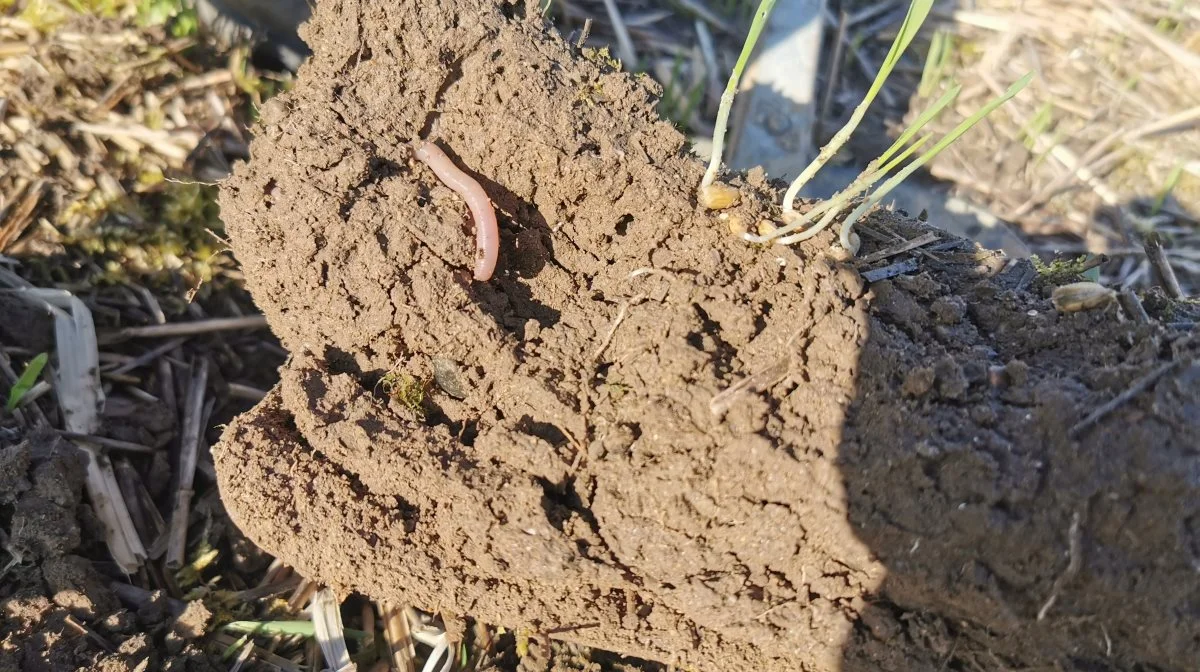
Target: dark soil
52 590
894 487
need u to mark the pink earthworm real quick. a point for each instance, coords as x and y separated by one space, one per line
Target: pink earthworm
487 235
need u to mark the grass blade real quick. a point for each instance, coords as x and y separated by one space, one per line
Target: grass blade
27 380
917 13
282 628
865 180
852 244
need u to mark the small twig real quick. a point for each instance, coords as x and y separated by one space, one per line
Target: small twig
1073 564
89 633
621 312
1140 385
624 43
147 357
899 268
725 399
105 442
303 593
832 78
1162 268
1132 306
919 241
583 34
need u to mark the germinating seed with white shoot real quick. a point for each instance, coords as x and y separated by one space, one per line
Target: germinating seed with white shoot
716 196
720 196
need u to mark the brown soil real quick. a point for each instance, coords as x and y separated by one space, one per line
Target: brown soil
894 489
52 590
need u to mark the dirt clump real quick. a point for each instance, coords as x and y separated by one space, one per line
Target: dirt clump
50 593
647 436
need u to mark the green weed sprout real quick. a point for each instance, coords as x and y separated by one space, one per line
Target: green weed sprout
282 629
1172 181
940 47
716 197
848 239
26 382
917 12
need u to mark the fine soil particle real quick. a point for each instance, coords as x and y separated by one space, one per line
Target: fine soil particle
647 436
47 591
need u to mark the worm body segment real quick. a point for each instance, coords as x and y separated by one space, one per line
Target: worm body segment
487 234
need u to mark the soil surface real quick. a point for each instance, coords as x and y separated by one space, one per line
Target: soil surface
59 613
647 436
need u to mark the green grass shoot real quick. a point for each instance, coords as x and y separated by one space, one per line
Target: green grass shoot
1172 181
847 238
940 47
281 628
917 13
875 171
718 141
26 382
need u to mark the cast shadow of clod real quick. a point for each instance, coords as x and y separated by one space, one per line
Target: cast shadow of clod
1013 534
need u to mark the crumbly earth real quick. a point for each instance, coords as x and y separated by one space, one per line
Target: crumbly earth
647 436
51 588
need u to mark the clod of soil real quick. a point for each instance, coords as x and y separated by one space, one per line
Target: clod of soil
48 591
645 435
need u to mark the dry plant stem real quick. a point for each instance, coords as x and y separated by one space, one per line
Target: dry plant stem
276 571
398 637
136 597
1140 385
149 522
105 442
1133 307
330 634
240 391
1163 272
367 616
89 633
919 241
300 597
188 448
188 328
243 656
832 77
147 357
624 43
